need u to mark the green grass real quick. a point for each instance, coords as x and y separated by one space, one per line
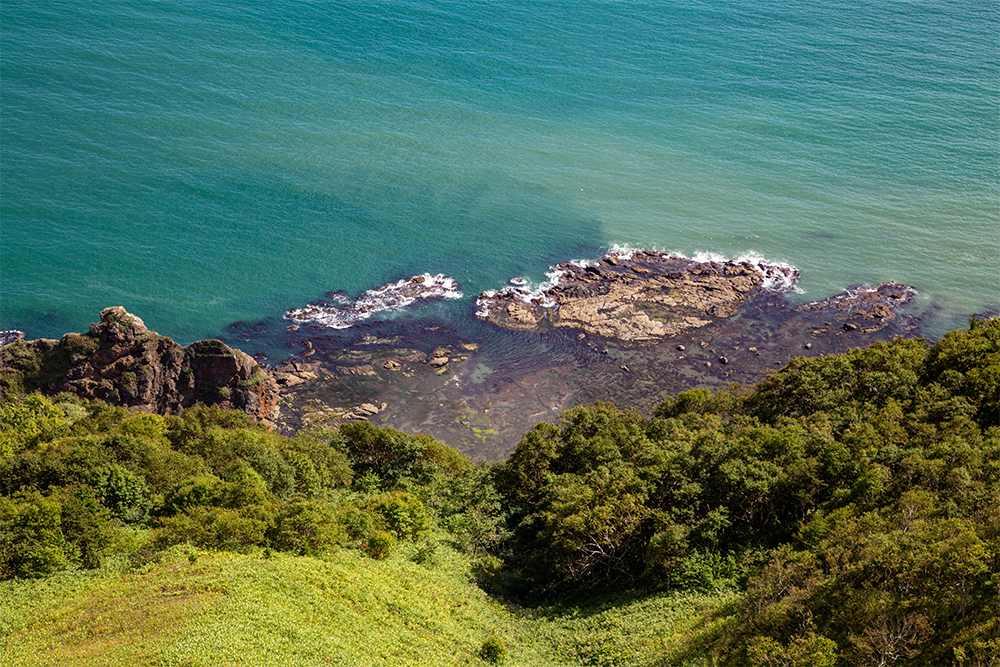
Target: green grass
197 608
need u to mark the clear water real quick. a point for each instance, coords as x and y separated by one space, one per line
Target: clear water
206 162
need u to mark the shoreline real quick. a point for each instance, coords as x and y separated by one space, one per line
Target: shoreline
630 328
529 354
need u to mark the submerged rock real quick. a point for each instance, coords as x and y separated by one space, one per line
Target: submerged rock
124 363
869 309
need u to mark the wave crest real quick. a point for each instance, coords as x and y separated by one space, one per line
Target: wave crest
391 296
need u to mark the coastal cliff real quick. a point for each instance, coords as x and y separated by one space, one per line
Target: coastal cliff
122 362
632 327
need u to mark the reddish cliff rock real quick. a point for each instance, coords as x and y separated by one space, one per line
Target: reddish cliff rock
124 363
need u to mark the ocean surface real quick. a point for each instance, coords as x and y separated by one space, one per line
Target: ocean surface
202 163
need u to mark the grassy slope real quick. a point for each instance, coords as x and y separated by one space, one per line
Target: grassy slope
346 609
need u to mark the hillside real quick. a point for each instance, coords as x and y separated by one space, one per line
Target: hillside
842 511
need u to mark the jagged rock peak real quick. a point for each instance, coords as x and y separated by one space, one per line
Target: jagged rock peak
124 363
118 324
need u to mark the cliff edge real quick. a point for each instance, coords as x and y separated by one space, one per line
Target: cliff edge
124 363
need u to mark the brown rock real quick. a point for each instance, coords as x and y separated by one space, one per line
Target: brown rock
124 363
880 311
669 296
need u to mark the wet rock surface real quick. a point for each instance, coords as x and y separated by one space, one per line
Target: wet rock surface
122 362
636 299
481 388
629 330
11 336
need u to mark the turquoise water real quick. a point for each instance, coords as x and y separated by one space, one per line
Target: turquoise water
205 162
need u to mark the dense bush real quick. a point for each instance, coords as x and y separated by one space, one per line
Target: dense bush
854 497
75 473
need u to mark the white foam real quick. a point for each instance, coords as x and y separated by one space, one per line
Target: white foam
854 292
392 296
622 251
778 276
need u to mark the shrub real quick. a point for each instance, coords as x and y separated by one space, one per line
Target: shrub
306 527
403 513
122 492
32 543
393 455
24 422
357 523
380 544
493 651
194 492
218 527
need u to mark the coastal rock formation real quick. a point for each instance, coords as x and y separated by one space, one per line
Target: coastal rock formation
339 312
8 337
124 363
637 298
865 309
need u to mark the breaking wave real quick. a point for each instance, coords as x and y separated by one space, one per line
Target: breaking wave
344 313
778 276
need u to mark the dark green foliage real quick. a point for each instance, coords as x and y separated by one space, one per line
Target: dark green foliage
854 496
968 364
470 507
380 544
76 473
84 524
32 543
306 527
319 461
193 492
218 527
904 582
402 514
123 493
843 385
493 651
392 455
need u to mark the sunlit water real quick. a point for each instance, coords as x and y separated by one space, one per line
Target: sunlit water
204 162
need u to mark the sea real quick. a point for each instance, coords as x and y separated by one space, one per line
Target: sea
203 163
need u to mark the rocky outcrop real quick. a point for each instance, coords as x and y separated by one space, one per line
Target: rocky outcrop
11 336
339 312
639 298
864 309
124 363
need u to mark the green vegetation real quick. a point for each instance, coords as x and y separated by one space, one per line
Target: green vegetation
845 511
